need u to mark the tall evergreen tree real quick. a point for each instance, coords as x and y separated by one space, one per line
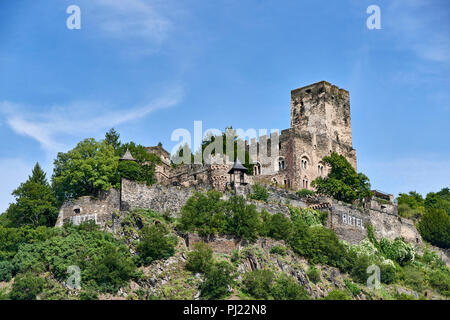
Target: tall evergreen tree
35 202
112 138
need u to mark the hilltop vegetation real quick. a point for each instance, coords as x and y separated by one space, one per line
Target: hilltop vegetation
291 256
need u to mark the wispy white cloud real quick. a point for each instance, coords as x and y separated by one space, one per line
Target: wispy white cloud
52 124
422 27
130 19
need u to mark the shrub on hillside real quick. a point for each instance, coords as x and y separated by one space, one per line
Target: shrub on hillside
434 227
318 244
242 219
111 269
204 213
218 280
26 287
303 193
313 274
258 283
281 250
440 280
286 288
156 243
280 227
200 259
413 277
6 270
337 295
397 250
259 193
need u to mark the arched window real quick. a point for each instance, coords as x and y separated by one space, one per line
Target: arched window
305 183
257 169
280 164
320 170
304 163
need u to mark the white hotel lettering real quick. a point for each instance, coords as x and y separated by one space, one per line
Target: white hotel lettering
351 220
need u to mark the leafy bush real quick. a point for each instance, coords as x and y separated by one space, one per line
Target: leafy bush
29 258
203 213
200 259
352 287
342 183
286 288
313 274
218 279
337 295
281 250
6 270
156 243
259 193
307 216
303 193
318 244
387 273
242 220
410 205
440 280
434 227
398 250
359 269
413 277
26 287
280 227
111 269
258 283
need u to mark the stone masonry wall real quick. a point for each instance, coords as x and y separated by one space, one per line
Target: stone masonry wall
156 197
349 222
89 208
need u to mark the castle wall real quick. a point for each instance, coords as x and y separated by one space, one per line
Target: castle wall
156 197
89 208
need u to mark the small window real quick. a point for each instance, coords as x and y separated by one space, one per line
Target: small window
77 210
257 169
304 163
195 177
281 164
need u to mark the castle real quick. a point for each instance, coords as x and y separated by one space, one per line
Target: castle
320 124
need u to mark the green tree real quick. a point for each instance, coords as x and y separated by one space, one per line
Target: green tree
343 182
218 280
203 213
112 138
200 259
85 170
35 202
243 219
280 227
410 205
286 288
258 283
26 287
156 243
143 169
259 193
439 200
434 227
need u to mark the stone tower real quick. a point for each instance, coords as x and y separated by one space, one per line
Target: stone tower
320 124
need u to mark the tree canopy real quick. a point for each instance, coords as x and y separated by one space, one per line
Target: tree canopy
35 202
85 170
343 182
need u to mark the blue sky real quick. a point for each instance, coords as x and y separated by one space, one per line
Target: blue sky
150 67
